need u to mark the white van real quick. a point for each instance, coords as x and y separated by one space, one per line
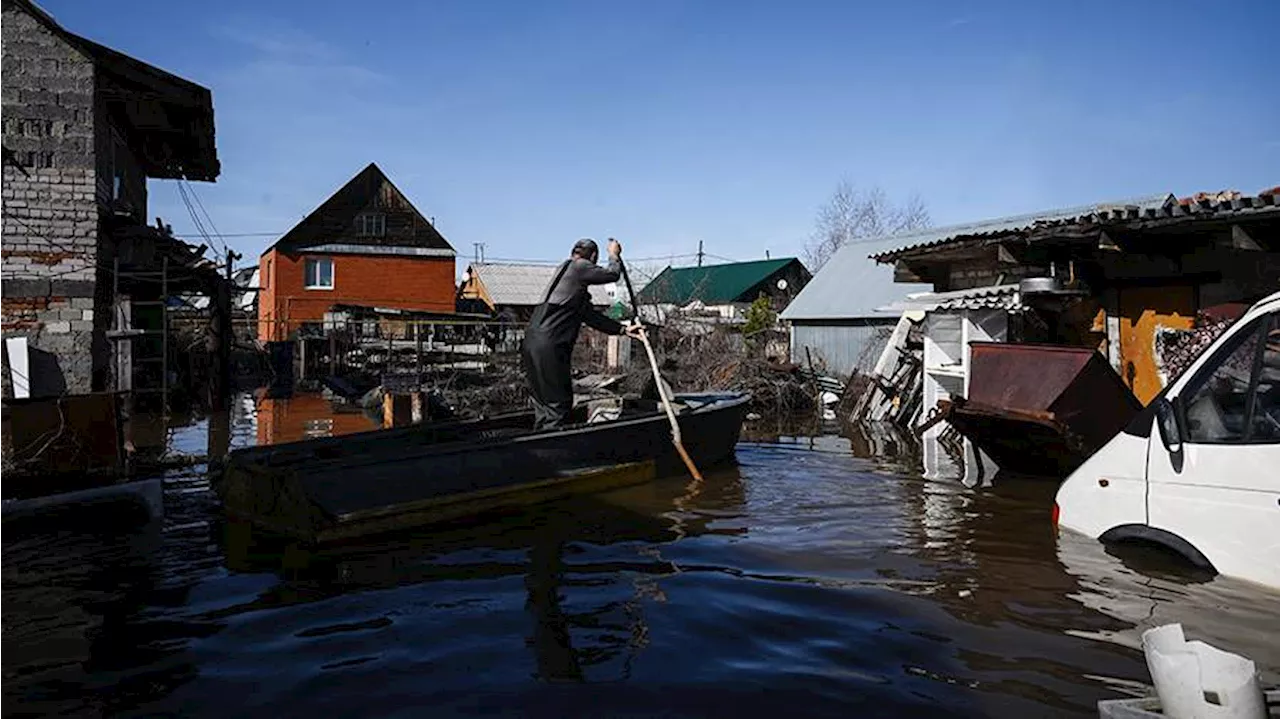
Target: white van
1205 481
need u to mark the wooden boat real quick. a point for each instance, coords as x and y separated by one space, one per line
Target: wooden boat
337 488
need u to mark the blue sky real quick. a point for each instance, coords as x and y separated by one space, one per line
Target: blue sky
526 125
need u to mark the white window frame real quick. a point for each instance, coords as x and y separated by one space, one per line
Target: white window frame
308 263
371 224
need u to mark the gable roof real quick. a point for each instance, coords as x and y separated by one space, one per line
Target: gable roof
711 284
852 285
523 285
331 226
181 144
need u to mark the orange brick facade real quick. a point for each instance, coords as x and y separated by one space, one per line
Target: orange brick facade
409 283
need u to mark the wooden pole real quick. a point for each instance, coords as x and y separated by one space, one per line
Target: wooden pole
657 379
222 337
417 338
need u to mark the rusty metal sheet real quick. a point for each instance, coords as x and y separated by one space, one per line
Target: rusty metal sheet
1023 377
1041 409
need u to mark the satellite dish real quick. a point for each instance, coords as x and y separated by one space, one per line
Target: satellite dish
782 284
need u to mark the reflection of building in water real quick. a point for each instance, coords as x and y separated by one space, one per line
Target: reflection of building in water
306 416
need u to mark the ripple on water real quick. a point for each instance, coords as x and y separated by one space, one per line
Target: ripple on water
803 580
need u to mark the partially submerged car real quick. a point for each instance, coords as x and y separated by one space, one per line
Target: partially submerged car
1198 470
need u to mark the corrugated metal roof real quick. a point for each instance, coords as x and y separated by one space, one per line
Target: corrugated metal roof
711 284
1201 206
945 235
1004 297
852 285
524 284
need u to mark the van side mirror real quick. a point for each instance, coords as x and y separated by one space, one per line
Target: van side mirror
1167 422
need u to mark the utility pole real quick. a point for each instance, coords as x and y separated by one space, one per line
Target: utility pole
221 337
699 253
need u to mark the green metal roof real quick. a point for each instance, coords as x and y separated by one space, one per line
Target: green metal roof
711 284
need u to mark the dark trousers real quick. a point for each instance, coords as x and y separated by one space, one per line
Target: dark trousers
547 367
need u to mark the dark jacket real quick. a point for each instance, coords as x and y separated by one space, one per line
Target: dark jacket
566 305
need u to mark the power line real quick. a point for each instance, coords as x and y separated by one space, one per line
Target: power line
196 195
186 201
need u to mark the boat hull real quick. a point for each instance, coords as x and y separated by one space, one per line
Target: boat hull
410 482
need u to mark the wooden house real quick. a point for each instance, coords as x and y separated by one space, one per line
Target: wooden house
511 290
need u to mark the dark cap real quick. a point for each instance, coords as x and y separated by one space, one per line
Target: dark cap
586 248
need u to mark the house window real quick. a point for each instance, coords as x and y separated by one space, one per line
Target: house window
371 224
318 273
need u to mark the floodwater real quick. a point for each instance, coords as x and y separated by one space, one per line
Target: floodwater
804 581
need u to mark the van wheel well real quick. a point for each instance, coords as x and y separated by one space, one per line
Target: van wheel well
1152 535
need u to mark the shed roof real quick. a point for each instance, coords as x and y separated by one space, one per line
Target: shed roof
944 235
853 286
711 284
523 285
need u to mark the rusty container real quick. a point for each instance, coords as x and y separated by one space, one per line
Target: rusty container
1041 409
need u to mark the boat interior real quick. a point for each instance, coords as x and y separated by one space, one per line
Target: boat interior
498 427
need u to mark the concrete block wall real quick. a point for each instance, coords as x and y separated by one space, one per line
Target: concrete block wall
50 266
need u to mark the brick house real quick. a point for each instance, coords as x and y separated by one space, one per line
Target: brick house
84 128
366 245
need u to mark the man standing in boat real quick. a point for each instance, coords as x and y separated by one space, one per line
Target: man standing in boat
547 350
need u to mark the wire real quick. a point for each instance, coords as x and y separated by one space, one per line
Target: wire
192 190
186 201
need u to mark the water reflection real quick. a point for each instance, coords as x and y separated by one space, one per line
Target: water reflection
307 415
1145 587
564 553
840 583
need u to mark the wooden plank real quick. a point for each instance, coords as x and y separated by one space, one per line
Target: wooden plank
902 272
1240 240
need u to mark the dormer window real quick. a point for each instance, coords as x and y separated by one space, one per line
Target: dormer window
371 224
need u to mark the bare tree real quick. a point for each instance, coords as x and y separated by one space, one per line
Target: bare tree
851 214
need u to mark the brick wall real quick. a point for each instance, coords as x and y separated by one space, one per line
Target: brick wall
50 220
409 283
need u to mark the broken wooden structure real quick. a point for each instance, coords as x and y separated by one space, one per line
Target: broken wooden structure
1116 277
